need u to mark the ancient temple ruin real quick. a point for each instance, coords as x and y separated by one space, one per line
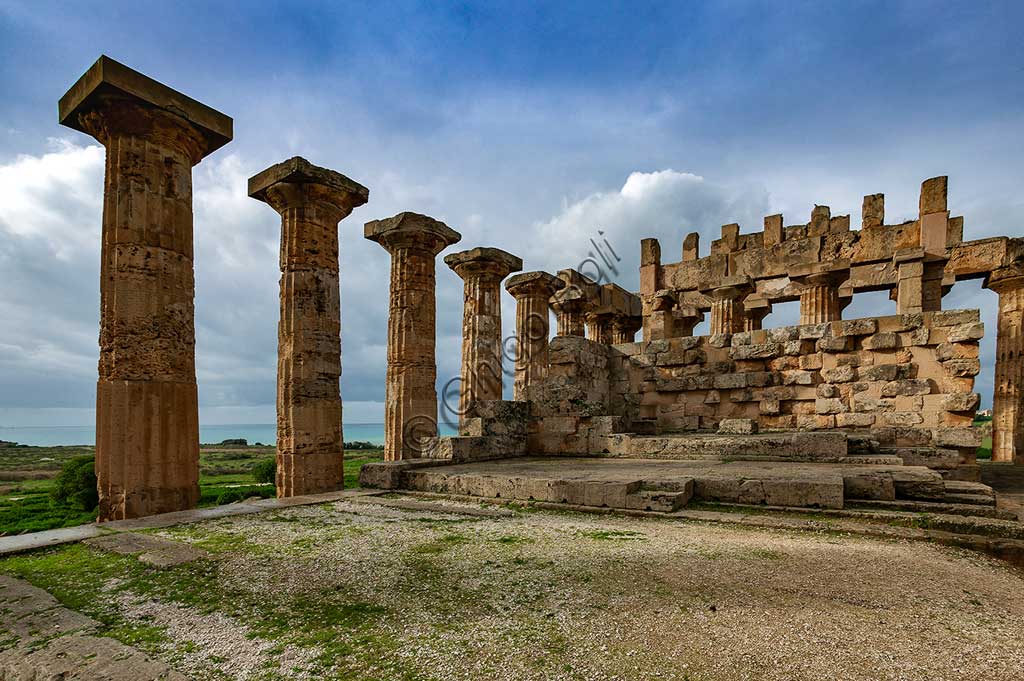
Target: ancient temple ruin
827 413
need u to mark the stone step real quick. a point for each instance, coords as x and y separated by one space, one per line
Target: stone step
872 460
964 487
657 500
803 447
932 507
972 499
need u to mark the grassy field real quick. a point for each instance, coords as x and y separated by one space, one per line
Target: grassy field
225 475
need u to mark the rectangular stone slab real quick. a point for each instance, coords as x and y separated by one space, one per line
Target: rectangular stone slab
107 76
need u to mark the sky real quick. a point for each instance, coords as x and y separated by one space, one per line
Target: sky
528 127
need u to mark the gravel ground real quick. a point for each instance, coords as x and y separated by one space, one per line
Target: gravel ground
570 596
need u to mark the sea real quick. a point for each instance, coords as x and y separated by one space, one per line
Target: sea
253 433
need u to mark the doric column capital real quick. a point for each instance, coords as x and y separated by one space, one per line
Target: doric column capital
569 299
111 99
733 288
483 263
533 284
298 183
411 231
1009 278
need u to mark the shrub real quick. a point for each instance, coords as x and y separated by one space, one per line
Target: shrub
265 471
75 486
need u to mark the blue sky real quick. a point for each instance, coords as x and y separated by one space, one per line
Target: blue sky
525 127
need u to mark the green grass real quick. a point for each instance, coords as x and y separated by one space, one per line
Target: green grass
224 475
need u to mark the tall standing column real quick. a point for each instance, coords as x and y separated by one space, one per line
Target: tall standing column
410 409
481 270
147 413
1008 402
532 290
311 201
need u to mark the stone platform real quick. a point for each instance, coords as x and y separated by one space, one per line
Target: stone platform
667 485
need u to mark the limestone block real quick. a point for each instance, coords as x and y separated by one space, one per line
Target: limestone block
946 351
855 359
883 372
904 322
712 397
921 336
770 406
797 377
726 381
854 327
760 379
797 348
814 331
739 339
907 386
962 367
840 374
916 483
811 361
827 390
684 343
759 351
854 420
869 485
965 332
957 437
900 419
961 402
737 426
955 317
827 405
815 421
881 341
783 363
835 344
782 334
932 457
720 340
655 346
871 404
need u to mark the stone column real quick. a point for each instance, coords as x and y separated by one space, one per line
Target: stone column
569 305
311 201
410 406
532 291
482 270
753 316
727 311
599 327
147 414
819 296
1008 402
624 328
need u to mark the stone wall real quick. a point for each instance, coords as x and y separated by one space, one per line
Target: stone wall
906 380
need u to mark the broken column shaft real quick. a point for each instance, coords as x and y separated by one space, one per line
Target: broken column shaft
481 270
311 202
410 409
147 413
532 291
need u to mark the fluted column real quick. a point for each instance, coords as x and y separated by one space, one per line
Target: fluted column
1008 402
599 327
727 311
410 402
819 295
481 270
532 291
624 328
147 414
570 306
311 202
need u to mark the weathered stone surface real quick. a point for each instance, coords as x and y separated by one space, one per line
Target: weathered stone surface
149 548
907 386
881 341
966 332
147 415
854 327
825 405
962 367
737 426
840 374
758 351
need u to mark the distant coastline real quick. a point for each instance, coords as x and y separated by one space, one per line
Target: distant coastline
263 433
